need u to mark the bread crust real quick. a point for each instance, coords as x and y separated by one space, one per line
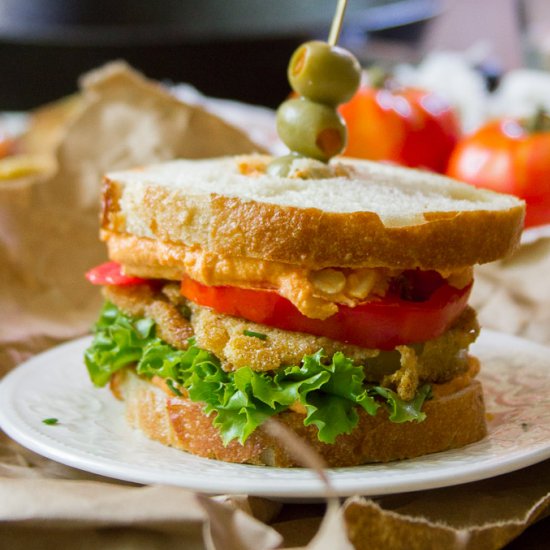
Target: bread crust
451 422
310 237
320 239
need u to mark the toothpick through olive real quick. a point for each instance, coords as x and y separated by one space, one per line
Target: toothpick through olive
324 75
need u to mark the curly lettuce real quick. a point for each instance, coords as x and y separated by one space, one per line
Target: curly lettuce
330 389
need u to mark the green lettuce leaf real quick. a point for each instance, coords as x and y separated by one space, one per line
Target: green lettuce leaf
405 411
119 341
330 389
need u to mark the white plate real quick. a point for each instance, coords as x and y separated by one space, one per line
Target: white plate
532 234
93 436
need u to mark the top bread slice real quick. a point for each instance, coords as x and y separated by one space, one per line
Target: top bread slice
349 214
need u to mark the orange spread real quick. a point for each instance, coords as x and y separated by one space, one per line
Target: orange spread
459 382
316 293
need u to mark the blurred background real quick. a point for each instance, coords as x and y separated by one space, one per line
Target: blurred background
235 49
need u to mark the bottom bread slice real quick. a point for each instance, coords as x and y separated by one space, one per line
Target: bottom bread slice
452 421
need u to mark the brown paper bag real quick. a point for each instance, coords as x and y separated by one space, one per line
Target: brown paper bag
49 222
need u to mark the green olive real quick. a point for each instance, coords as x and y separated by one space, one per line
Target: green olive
324 73
280 166
311 129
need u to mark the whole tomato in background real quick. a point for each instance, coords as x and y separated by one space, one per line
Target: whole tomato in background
509 156
7 146
407 126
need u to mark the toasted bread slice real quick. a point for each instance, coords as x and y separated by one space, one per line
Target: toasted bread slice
349 214
452 421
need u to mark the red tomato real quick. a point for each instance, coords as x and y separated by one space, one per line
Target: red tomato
380 324
504 156
408 126
7 146
110 273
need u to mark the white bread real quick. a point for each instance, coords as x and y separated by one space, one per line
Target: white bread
451 422
358 214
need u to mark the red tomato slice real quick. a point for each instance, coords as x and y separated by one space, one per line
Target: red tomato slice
380 324
110 273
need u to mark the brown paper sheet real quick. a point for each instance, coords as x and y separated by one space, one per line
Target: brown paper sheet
48 239
49 224
108 512
485 514
513 295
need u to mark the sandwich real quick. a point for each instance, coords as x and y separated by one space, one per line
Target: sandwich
333 300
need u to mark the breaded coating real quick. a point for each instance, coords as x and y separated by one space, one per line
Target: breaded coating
143 301
403 369
224 336
439 357
438 360
406 379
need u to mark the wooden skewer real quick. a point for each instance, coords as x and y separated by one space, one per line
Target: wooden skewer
336 26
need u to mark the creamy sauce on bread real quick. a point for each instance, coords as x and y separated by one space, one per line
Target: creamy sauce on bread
316 293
